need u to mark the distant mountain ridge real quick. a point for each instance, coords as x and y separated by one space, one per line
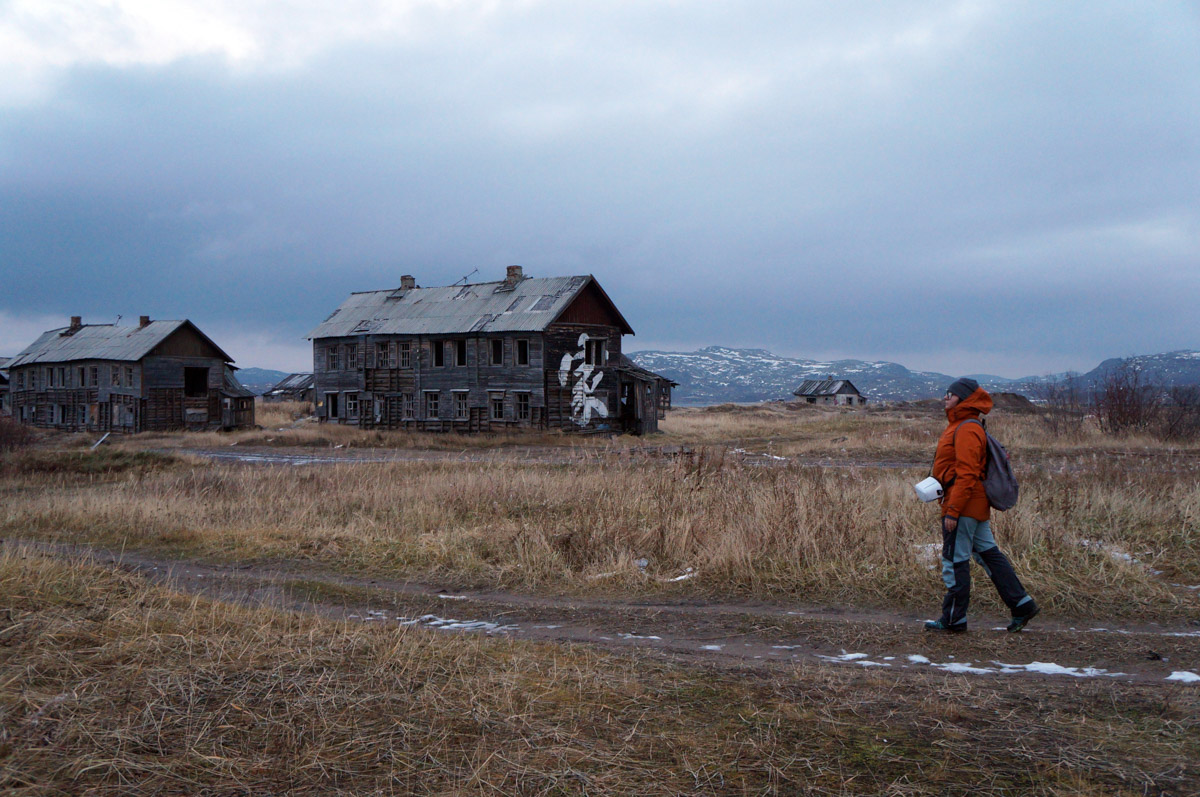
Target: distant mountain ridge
717 374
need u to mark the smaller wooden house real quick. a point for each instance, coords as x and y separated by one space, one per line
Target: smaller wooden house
293 387
838 392
158 375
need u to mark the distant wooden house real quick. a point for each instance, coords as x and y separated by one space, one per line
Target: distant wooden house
158 375
293 387
517 353
5 396
839 392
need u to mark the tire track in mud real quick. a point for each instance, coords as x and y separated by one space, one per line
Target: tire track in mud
733 635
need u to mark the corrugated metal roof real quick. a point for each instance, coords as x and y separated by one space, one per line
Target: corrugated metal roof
293 382
528 306
822 387
100 342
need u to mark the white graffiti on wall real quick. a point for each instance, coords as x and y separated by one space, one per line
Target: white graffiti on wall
584 403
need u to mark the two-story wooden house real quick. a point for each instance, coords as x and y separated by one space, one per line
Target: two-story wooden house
102 377
520 352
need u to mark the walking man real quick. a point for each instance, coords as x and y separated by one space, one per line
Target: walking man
959 465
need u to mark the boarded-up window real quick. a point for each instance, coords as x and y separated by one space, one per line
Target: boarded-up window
195 382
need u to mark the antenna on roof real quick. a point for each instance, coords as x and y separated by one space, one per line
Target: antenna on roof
118 320
464 279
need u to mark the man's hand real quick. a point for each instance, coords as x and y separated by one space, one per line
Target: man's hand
949 523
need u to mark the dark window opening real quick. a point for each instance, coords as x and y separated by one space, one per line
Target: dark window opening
439 353
460 352
195 382
497 352
331 405
594 352
522 352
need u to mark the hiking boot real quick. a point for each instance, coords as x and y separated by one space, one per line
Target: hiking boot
1020 622
938 625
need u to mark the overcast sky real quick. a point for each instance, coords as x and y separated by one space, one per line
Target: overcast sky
1001 187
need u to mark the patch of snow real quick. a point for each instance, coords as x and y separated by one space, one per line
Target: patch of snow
1184 676
443 624
637 636
1050 668
453 597
712 647
689 573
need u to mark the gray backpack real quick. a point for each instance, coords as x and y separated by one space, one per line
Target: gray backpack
998 480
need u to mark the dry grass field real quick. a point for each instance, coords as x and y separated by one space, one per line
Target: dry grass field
110 684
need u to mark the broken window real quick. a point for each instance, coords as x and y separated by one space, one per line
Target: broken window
331 362
195 382
383 355
351 405
406 405
95 374
522 406
461 410
129 375
432 402
114 375
594 351
496 406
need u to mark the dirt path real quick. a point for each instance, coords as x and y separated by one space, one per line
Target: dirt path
730 634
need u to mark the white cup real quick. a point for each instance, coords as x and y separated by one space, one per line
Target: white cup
929 489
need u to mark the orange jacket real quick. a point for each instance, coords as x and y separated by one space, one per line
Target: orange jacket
960 460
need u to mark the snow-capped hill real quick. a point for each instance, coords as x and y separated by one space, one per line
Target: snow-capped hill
719 374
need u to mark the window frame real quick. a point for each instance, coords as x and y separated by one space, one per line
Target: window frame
496 351
332 358
433 401
495 406
460 353
522 353
438 350
523 406
404 354
462 404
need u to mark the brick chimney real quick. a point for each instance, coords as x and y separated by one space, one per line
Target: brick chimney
515 275
143 321
408 282
76 323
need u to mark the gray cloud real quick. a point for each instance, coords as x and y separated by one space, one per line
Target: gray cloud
957 184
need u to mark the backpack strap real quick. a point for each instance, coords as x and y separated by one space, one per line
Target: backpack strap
954 442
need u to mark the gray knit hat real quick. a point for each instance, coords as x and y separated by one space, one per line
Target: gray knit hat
963 387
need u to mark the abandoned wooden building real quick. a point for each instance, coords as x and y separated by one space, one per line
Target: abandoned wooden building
293 387
5 397
839 392
541 353
158 375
